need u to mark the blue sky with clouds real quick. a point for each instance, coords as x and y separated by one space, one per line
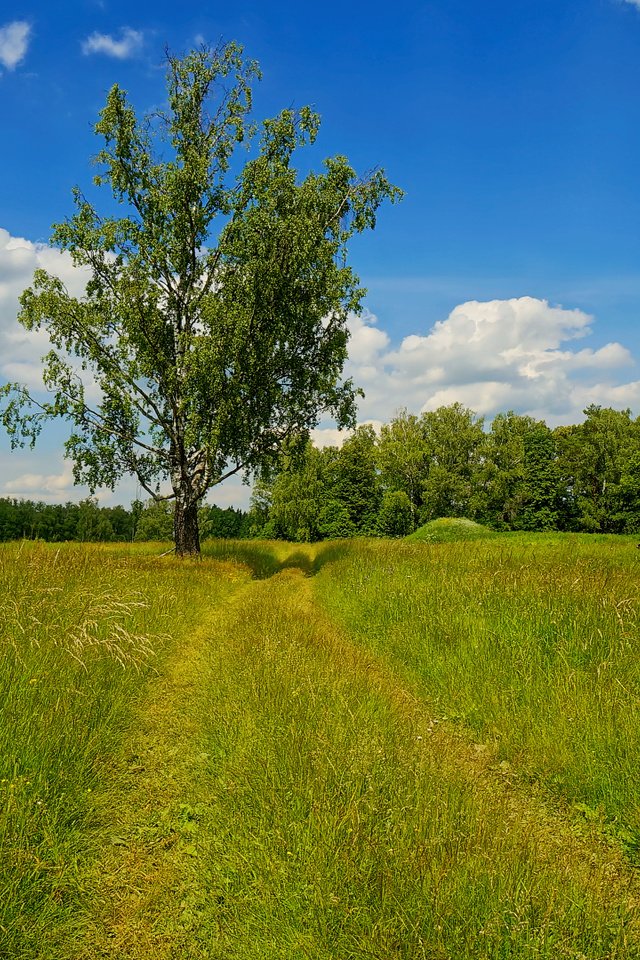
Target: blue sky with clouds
509 277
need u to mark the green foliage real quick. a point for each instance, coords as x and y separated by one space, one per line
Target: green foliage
328 493
402 457
395 515
334 521
453 439
598 462
155 522
501 490
213 323
57 522
354 480
541 491
627 497
520 475
88 522
227 524
298 496
434 459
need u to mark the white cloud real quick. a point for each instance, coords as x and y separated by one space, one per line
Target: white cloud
491 356
522 354
14 40
21 350
329 437
634 3
44 475
367 343
128 45
53 484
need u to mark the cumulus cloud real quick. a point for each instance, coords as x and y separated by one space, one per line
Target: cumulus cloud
52 484
44 475
332 437
14 40
523 354
21 350
129 44
497 355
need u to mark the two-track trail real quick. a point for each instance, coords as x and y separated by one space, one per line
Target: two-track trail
282 794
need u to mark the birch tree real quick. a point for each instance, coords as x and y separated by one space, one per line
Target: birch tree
213 326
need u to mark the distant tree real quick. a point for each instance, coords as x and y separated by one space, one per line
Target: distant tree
121 521
353 479
218 523
501 478
542 483
334 522
155 522
395 516
137 508
299 494
595 460
454 438
57 522
402 456
627 503
13 522
93 525
213 326
257 519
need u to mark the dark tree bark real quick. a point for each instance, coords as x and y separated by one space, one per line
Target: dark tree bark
185 528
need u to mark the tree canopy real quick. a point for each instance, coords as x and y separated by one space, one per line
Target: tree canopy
519 475
214 322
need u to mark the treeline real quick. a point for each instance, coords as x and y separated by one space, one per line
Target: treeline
88 522
517 475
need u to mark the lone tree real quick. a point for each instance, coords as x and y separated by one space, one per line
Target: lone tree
213 324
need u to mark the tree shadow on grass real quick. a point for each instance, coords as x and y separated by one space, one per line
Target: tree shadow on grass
330 552
260 557
264 558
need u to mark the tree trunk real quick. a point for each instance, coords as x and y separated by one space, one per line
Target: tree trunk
185 529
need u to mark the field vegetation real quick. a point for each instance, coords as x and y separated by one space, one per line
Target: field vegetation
349 749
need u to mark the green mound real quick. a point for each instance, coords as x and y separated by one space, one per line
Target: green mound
448 529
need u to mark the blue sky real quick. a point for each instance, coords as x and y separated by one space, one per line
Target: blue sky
509 277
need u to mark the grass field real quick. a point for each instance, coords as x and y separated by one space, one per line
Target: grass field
365 749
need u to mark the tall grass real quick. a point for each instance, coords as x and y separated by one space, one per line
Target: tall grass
82 629
338 824
359 726
531 643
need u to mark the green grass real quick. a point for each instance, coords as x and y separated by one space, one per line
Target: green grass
365 749
528 642
342 823
449 530
83 631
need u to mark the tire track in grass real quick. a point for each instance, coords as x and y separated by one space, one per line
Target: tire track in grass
349 824
284 795
146 888
558 835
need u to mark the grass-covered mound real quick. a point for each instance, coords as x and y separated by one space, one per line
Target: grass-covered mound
448 529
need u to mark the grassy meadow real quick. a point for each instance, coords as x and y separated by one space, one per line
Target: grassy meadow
352 749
